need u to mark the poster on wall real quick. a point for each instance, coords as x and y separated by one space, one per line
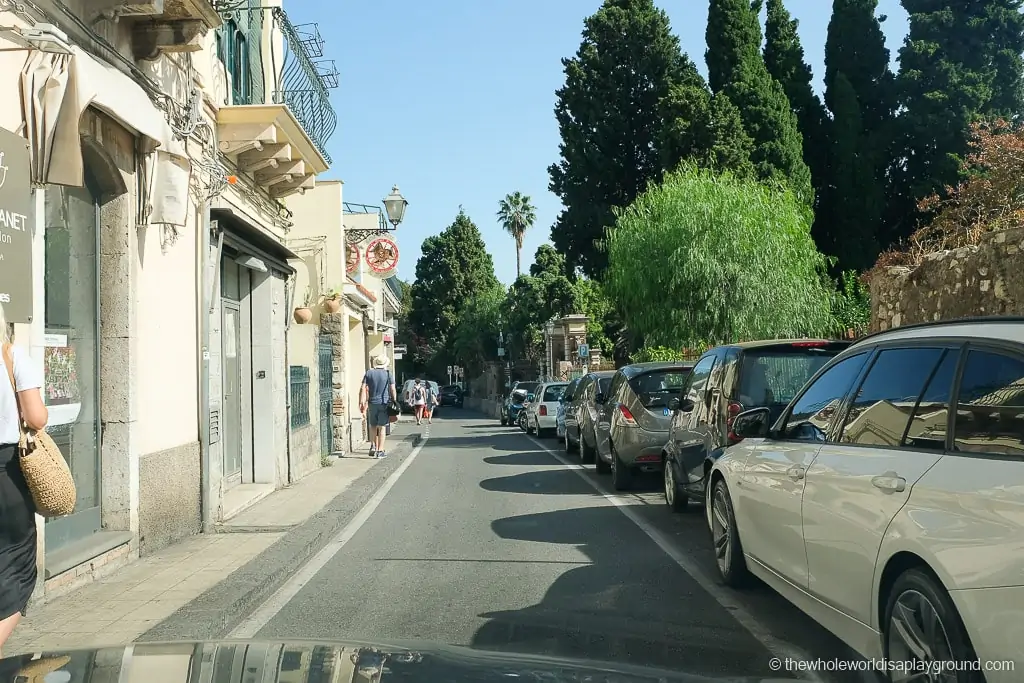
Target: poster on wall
382 257
15 232
60 368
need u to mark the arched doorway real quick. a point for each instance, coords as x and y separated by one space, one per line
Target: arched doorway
72 354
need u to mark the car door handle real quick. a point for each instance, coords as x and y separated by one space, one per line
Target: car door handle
890 481
796 472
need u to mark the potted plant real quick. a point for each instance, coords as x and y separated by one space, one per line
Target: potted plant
332 301
303 314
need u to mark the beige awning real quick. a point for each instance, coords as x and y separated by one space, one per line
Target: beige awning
52 106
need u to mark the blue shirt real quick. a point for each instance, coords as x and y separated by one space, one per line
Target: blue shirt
378 383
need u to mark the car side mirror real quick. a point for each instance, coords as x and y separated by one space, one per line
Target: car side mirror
686 405
673 404
751 424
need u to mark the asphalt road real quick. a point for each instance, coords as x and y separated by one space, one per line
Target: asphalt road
489 540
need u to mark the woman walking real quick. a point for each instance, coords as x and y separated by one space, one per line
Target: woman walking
419 400
432 400
20 400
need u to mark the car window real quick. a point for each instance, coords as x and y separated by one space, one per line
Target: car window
698 379
814 411
570 389
990 406
880 411
604 384
654 389
772 377
615 387
553 392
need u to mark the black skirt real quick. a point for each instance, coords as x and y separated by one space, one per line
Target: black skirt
17 536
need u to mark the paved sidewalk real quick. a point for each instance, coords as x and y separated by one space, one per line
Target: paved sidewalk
119 608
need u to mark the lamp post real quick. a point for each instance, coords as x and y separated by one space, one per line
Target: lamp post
395 205
549 332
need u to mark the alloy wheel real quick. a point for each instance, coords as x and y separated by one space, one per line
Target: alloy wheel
916 634
721 529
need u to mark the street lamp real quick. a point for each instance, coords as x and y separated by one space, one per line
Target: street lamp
395 205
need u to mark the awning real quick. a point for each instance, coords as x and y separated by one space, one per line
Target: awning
56 89
249 239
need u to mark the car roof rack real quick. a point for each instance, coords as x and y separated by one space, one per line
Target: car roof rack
972 320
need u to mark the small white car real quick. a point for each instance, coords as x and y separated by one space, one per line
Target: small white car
542 413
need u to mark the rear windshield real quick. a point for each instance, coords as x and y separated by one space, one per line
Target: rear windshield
654 389
553 393
772 377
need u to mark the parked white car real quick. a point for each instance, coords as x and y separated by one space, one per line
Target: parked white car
542 412
886 501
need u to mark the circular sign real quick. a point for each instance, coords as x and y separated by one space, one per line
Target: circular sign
382 257
352 259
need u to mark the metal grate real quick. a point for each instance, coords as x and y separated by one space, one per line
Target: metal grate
326 366
299 381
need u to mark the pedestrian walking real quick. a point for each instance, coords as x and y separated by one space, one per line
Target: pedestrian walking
376 395
20 401
432 400
419 400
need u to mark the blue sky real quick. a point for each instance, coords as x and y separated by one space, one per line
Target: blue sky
453 101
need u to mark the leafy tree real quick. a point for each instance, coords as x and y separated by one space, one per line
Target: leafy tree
784 59
547 261
736 68
517 215
860 92
706 129
414 361
743 265
610 122
454 269
961 62
475 341
656 353
989 199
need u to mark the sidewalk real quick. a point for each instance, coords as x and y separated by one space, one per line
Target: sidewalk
119 608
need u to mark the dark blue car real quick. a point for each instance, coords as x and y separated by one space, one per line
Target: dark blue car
511 406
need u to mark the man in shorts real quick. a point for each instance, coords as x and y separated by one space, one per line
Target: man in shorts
376 392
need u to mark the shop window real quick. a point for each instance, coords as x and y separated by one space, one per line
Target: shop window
71 356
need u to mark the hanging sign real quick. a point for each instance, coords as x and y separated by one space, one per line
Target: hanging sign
351 259
382 257
15 232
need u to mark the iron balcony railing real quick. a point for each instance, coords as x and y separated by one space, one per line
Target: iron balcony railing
303 83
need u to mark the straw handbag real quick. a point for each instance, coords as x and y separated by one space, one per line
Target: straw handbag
46 472
37 670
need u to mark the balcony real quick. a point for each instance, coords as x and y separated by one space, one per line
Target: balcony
283 143
160 25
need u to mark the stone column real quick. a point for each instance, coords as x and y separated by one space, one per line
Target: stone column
335 324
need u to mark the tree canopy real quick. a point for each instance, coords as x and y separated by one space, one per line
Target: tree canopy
743 263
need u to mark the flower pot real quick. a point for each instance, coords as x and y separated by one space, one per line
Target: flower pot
332 305
303 315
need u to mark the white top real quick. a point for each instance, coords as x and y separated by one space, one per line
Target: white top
27 375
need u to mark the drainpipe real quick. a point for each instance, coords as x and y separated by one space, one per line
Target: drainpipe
203 348
289 286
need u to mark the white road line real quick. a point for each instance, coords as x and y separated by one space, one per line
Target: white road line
777 647
256 621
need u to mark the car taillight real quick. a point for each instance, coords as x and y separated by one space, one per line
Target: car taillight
542 411
626 415
733 410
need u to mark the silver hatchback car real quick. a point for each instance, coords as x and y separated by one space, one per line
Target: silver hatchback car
634 419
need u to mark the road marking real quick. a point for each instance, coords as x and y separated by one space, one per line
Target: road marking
259 618
762 634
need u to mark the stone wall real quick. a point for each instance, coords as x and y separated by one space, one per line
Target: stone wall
981 280
335 325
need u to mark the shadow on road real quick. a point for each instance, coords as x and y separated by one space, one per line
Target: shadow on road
526 458
634 607
550 482
511 441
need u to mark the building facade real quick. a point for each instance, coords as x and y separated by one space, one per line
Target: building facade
159 146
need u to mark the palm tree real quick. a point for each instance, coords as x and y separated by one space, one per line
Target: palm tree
517 215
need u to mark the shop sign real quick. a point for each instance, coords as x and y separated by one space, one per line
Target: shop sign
15 231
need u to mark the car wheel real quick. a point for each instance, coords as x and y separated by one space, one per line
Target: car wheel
674 498
922 628
588 454
726 539
622 474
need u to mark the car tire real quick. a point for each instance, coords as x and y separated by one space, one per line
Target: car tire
587 454
674 497
916 596
622 474
726 538
570 447
504 422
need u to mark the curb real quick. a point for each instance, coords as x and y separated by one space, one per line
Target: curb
214 613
